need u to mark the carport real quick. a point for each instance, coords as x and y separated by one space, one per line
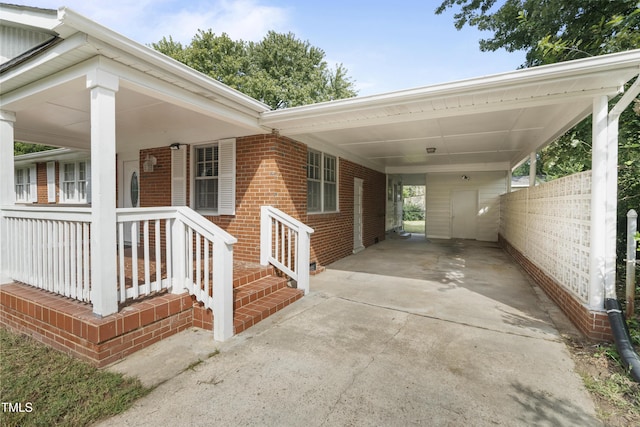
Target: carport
471 134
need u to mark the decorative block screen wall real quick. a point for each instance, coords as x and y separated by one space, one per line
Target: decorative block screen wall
550 225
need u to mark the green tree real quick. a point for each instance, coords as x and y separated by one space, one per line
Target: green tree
25 148
552 30
280 70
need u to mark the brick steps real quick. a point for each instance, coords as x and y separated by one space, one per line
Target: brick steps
258 293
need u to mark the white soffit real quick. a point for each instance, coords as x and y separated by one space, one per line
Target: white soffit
497 119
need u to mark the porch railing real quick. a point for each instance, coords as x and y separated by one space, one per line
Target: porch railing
157 248
285 243
49 248
175 247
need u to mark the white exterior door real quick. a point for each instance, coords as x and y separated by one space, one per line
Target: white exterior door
357 215
131 190
464 213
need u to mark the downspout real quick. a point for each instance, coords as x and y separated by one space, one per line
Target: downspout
628 355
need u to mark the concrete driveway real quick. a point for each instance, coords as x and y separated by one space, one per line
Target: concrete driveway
407 332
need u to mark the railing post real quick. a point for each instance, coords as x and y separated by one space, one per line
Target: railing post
222 290
178 263
265 235
632 228
302 261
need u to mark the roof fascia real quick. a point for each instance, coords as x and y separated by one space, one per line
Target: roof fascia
558 72
34 18
72 20
49 155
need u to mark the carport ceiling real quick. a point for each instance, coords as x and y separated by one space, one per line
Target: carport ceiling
487 122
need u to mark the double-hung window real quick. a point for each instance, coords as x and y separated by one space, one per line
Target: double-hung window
322 182
25 182
74 178
206 178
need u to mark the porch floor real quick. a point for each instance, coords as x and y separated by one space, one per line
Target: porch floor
71 326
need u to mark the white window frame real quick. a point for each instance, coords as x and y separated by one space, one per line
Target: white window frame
214 177
26 190
76 196
322 175
225 179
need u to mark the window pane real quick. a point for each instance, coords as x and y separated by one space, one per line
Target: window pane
330 197
82 171
207 194
329 168
69 172
313 196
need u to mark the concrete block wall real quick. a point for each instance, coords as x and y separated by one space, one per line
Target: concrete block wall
593 324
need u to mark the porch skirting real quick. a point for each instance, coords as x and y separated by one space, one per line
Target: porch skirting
71 326
593 324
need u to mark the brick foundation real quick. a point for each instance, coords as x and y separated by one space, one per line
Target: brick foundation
71 327
593 324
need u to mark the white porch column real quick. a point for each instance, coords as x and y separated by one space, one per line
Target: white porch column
598 203
104 296
7 190
533 165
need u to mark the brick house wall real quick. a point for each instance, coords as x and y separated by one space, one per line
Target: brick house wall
271 170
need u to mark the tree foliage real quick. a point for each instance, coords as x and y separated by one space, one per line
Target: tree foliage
280 70
551 30
25 148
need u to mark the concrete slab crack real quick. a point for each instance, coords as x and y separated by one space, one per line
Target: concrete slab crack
427 316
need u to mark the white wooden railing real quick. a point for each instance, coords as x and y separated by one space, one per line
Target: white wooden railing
285 243
49 248
196 254
157 248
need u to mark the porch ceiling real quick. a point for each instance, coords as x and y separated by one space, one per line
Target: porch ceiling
485 123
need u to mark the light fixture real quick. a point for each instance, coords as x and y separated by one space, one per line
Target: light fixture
431 150
175 146
149 163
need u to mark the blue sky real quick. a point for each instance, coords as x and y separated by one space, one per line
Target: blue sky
385 47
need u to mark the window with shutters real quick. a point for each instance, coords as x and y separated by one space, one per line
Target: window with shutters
322 182
206 177
213 178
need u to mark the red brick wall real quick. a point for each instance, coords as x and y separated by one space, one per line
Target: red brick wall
155 187
333 237
271 170
594 324
41 180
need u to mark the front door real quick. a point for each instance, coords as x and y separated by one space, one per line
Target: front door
357 215
464 212
131 190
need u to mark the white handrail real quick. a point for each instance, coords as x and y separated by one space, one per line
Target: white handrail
285 243
208 274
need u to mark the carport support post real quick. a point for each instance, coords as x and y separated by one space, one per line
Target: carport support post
7 189
598 203
104 294
533 165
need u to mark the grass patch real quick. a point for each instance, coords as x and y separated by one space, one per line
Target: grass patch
413 226
61 390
